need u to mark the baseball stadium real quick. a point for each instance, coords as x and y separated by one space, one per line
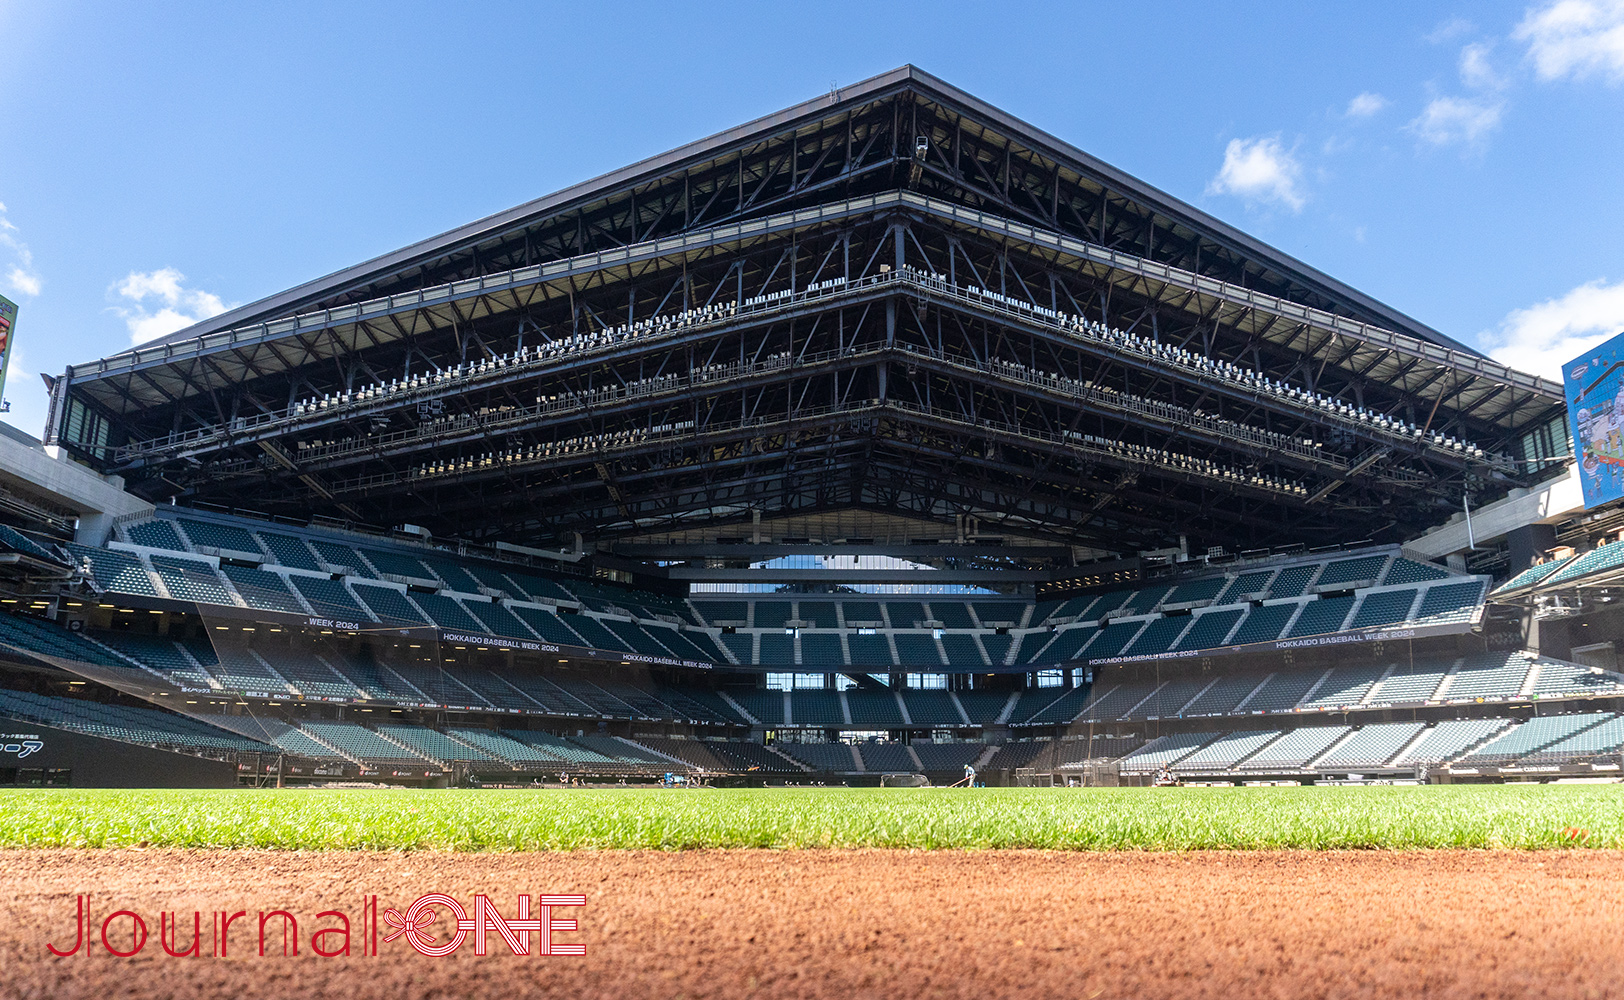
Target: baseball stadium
884 478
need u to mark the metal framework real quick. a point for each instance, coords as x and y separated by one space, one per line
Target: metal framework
895 299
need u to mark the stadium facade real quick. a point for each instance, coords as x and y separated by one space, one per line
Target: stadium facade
883 435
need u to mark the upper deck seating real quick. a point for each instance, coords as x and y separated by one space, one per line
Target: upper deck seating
1383 608
262 590
329 598
219 536
287 550
190 580
1319 617
114 571
1351 571
1410 571
156 534
1209 630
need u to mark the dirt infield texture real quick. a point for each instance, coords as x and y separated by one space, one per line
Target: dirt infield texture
857 924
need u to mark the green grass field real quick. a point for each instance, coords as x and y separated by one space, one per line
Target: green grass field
1480 816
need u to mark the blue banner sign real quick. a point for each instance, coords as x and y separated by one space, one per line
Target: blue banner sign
1594 384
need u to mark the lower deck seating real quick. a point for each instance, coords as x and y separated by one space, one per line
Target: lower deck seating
1372 746
1605 739
948 756
886 757
503 748
1448 740
158 652
1098 749
1165 750
617 749
694 753
1297 748
1534 735
1226 751
127 724
1019 753
363 744
753 757
307 672
434 745
765 706
573 754
835 757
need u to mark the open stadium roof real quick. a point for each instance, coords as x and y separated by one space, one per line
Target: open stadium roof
894 299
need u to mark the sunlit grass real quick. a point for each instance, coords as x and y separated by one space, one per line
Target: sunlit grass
1481 816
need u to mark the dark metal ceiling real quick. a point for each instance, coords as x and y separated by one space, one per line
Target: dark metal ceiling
894 299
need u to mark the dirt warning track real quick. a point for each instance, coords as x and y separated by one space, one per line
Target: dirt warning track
843 924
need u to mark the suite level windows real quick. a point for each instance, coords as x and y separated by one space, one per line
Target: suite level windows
1051 678
927 682
796 682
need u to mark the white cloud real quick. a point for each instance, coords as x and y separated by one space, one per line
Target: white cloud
1577 38
1260 169
23 282
1476 71
1449 30
160 303
1542 337
17 259
1365 105
1446 121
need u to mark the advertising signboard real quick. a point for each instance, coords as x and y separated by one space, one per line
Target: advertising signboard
1594 385
8 326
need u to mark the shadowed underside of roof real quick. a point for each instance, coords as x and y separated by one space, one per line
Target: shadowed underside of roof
892 298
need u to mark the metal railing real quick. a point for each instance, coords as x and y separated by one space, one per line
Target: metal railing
464 378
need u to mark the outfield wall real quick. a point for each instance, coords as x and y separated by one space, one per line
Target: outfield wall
91 762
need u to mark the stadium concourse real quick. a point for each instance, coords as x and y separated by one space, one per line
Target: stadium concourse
883 437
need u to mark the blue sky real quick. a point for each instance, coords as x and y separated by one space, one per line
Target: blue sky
159 163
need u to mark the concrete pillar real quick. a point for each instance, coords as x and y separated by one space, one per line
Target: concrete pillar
1528 544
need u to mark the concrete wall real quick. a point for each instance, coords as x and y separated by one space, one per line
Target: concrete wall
99 763
32 470
1550 502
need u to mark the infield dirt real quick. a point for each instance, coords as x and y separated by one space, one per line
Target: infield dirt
861 924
